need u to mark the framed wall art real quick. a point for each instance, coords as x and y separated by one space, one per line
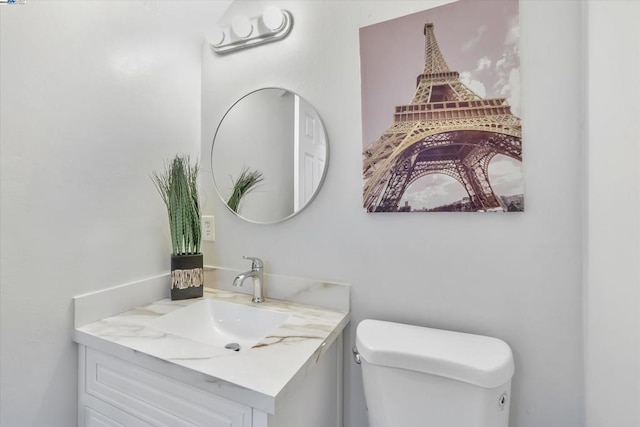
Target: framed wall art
441 110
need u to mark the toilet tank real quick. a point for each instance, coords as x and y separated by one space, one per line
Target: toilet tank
415 376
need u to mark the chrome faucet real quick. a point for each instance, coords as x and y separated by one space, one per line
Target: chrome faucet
257 268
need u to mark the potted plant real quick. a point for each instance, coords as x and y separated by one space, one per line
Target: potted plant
177 185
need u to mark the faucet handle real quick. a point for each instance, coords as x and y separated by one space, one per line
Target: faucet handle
255 262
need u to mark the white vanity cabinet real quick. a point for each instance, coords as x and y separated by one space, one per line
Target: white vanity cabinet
136 392
134 373
113 392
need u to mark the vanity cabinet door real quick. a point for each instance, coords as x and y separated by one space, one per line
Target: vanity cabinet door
155 399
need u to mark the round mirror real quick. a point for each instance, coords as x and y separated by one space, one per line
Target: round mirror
269 155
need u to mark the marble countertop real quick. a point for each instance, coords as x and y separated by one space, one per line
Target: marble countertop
267 369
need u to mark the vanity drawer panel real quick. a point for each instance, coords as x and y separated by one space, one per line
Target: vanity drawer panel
112 418
157 399
95 419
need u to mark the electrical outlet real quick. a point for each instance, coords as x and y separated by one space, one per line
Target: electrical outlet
208 229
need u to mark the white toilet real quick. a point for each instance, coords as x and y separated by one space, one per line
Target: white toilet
422 377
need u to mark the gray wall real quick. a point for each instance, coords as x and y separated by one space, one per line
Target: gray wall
95 95
612 226
515 276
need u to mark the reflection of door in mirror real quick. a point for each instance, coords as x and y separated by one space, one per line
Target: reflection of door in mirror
310 151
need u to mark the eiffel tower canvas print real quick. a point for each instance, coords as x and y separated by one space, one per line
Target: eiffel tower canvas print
441 110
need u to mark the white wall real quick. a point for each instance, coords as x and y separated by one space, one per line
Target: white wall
612 297
517 277
94 95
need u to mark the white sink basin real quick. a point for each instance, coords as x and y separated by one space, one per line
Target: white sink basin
220 323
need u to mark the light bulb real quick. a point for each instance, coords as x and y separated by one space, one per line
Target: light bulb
217 37
241 26
273 18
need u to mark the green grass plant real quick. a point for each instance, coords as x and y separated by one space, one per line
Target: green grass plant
246 182
177 185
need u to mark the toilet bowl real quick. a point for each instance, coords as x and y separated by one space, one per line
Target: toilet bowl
422 377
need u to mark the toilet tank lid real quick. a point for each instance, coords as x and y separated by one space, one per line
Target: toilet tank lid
484 361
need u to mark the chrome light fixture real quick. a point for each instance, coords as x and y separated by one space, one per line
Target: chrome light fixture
274 24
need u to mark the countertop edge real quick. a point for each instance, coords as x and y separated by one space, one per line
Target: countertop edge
200 380
299 377
264 400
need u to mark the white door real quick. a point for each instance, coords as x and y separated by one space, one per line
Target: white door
310 152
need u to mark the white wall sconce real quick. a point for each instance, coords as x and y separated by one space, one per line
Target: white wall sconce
274 24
